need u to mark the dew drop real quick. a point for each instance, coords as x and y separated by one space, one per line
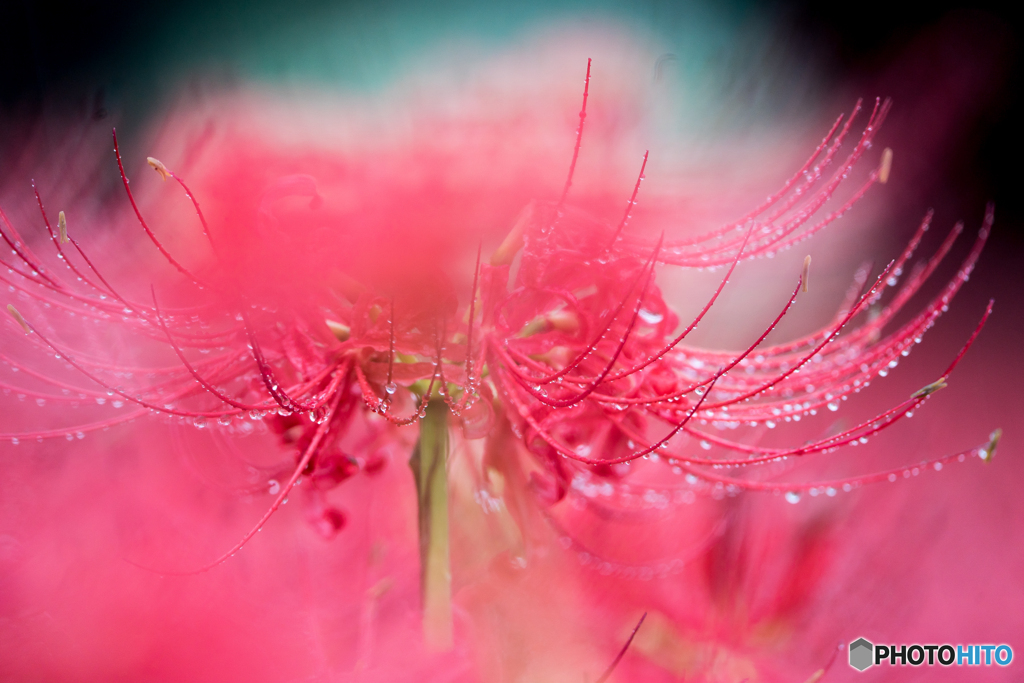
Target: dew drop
649 317
391 388
793 497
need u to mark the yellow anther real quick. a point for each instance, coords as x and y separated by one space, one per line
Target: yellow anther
514 240
585 292
561 320
17 316
538 324
886 167
159 167
989 451
339 330
930 389
62 228
816 676
806 273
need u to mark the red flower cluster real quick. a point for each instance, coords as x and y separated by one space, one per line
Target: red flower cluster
338 304
564 333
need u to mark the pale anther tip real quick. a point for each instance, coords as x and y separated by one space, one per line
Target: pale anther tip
341 331
62 228
17 317
515 239
886 167
159 167
993 442
816 676
930 389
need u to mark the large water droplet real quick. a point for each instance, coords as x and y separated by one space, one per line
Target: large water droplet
649 317
793 497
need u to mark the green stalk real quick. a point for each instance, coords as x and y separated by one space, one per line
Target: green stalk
429 464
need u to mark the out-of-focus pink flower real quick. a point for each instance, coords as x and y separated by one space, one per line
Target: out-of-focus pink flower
338 295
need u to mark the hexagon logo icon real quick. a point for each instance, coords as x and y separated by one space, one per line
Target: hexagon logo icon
860 654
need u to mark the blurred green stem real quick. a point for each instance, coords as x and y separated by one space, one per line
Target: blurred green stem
429 464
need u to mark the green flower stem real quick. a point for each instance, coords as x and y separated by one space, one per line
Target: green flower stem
429 464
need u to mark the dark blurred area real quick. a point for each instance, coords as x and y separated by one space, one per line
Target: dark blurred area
983 161
97 57
49 45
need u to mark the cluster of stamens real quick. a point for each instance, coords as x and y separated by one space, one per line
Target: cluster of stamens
564 334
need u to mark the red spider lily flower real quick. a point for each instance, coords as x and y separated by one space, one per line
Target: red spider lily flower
343 304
